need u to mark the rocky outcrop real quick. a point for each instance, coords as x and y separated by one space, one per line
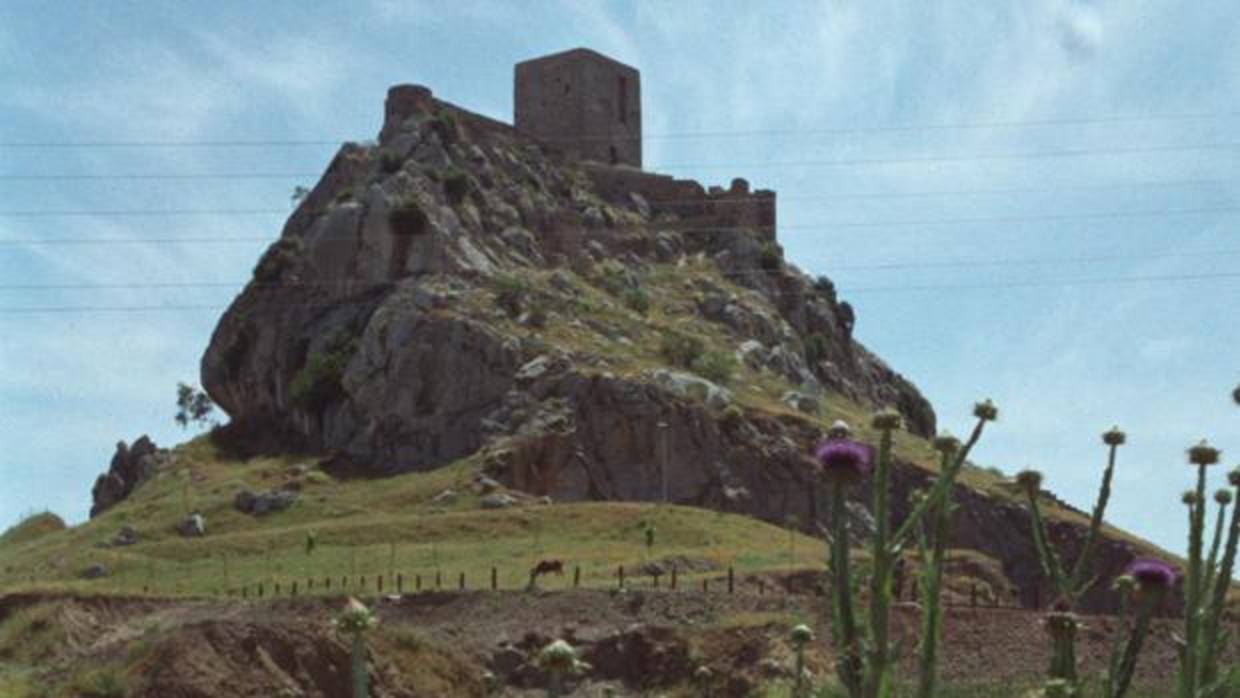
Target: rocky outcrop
131 466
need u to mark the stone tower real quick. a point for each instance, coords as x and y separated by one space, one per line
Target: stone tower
583 102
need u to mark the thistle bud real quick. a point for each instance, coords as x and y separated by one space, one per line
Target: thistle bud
1124 583
1233 478
1030 481
1203 454
703 674
1114 437
1235 395
946 444
1189 498
986 411
886 420
1223 497
1152 576
839 430
801 635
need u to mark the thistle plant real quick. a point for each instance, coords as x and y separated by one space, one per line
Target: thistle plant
559 660
933 555
1072 583
865 661
1207 582
353 622
1144 584
800 636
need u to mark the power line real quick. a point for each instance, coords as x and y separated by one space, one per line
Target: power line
922 264
980 157
655 227
1163 278
887 128
742 201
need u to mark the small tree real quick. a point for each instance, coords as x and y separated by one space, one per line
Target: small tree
193 405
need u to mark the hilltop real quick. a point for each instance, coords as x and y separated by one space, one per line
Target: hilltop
470 349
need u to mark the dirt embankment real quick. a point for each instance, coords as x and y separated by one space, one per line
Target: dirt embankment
456 644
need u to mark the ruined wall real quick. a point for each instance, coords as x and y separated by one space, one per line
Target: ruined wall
697 207
581 103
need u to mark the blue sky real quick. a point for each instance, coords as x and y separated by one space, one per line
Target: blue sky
1072 130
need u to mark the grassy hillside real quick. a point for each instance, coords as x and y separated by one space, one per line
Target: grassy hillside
371 527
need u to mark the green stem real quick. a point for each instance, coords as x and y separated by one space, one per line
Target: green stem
936 493
1222 584
1220 524
1046 554
555 687
1192 607
800 680
360 679
844 624
880 579
1132 650
1077 580
1117 645
932 614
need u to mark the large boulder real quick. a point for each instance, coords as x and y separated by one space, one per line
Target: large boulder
263 503
131 466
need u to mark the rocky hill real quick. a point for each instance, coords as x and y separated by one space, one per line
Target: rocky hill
457 289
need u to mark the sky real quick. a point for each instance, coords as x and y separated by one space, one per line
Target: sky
1030 201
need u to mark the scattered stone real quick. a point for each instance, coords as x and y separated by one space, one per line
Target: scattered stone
445 497
801 402
695 387
298 470
126 536
95 571
131 466
263 503
193 526
498 500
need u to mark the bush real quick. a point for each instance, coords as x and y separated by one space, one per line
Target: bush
715 366
731 417
318 383
104 682
637 300
772 258
277 259
825 287
444 125
816 346
344 195
455 186
408 218
510 292
680 349
537 315
611 278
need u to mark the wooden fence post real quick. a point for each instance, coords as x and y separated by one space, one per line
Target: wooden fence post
260 590
576 576
400 583
293 590
438 579
494 579
705 585
731 580
655 577
462 584
277 590
417 580
673 577
620 574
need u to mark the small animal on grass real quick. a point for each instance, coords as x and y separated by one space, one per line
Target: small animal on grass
547 567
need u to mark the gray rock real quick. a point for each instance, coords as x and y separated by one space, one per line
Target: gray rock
192 526
534 369
486 485
693 387
126 536
96 571
801 402
131 466
263 503
498 500
298 470
445 497
506 660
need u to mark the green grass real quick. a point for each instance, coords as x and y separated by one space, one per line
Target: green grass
31 528
372 527
959 689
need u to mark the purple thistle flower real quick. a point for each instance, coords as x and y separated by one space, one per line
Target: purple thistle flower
843 460
1152 574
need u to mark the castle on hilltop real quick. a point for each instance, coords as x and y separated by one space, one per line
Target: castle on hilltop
586 108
